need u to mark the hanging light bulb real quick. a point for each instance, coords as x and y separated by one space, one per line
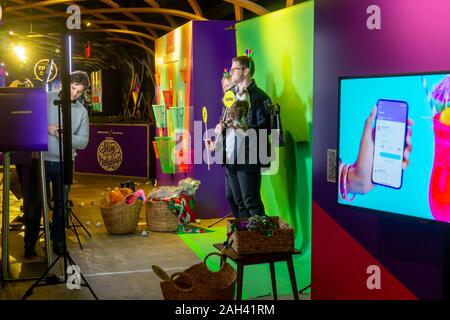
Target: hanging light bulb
20 53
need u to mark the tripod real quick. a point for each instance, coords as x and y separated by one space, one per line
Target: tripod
51 279
223 218
65 179
74 227
304 289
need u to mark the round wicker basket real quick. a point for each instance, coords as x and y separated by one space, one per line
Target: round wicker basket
200 283
160 218
120 218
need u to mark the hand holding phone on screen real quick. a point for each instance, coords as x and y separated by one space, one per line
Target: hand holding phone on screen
389 143
360 175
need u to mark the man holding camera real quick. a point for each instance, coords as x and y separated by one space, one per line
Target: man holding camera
79 82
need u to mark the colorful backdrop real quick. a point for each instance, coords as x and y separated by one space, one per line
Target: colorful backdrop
189 62
282 45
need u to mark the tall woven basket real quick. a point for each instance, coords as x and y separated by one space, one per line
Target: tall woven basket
160 218
199 283
120 218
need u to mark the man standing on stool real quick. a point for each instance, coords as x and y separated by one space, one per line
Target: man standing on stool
79 82
245 178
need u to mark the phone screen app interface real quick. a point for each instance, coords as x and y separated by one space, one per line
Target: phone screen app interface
389 143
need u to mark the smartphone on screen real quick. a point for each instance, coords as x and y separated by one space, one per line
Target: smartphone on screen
390 135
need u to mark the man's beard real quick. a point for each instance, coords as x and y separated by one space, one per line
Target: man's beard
238 80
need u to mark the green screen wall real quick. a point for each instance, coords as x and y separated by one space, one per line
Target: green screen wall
282 43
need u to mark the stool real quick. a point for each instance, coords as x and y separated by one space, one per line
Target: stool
271 258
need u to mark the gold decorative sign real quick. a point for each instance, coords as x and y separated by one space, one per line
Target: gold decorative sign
229 98
109 155
39 70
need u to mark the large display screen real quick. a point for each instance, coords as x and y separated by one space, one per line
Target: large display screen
394 144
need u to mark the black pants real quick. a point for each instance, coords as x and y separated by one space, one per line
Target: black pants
230 197
33 212
246 189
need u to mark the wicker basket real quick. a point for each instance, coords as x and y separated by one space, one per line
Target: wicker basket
120 218
199 283
251 242
160 218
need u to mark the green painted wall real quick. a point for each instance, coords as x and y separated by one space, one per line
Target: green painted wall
282 43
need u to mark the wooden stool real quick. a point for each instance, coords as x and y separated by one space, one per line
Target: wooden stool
271 258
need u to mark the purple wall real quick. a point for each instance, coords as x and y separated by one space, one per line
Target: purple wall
414 37
213 49
133 141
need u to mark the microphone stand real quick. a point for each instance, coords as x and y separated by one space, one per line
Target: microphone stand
222 121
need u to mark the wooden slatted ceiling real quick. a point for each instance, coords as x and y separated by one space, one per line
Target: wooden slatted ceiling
102 16
169 18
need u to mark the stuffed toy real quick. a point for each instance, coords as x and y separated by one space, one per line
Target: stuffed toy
132 197
117 195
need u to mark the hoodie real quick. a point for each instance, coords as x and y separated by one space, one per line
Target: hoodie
80 128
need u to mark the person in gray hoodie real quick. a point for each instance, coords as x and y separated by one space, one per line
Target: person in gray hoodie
79 82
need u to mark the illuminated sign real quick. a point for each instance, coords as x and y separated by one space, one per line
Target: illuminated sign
39 70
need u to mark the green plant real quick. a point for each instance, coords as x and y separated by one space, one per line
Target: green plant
264 224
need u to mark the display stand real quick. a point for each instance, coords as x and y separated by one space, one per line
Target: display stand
5 217
23 109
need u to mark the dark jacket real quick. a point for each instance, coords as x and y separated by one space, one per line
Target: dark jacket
258 118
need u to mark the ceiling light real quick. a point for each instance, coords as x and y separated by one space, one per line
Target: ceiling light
20 53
